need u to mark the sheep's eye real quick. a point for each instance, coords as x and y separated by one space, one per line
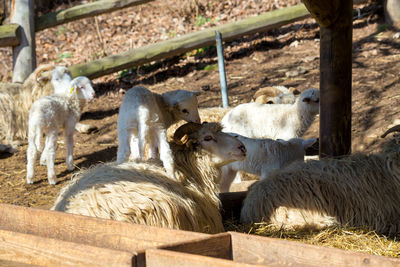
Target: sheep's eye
208 138
185 110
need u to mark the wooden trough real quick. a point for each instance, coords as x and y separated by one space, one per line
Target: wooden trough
35 237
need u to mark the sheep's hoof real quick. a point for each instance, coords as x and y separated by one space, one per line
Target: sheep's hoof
70 167
43 162
52 181
29 181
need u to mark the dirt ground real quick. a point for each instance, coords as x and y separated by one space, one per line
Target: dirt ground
252 62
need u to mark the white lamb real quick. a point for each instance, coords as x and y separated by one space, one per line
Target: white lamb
47 115
283 121
143 119
264 156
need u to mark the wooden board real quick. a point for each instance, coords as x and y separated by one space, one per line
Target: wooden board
276 252
164 258
31 249
88 230
83 11
10 35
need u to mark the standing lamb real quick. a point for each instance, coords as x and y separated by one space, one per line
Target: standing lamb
16 100
142 192
47 115
358 190
143 119
283 121
264 156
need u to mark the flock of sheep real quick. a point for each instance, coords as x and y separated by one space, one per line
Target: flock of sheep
170 175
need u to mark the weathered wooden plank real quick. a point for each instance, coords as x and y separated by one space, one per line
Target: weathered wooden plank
335 84
88 230
275 252
24 55
188 42
10 35
164 258
84 11
216 246
31 249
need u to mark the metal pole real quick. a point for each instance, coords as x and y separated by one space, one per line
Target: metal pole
221 67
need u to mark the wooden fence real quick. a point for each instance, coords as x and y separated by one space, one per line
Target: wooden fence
24 62
48 238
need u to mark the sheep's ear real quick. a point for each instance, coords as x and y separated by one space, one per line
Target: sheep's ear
309 142
307 100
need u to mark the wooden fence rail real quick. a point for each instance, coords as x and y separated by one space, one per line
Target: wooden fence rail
188 42
83 11
10 35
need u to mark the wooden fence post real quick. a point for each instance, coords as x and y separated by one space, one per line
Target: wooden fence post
24 55
336 21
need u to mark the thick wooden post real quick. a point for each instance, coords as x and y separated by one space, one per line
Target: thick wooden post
24 55
335 74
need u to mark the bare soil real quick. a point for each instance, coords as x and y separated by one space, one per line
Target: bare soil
252 62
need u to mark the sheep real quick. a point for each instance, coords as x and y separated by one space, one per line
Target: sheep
282 121
211 114
142 193
264 156
47 115
143 119
275 95
16 100
357 190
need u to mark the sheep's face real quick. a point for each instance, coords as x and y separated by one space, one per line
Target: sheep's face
310 98
183 105
83 88
187 110
222 146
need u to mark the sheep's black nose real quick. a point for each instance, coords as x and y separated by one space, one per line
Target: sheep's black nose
243 149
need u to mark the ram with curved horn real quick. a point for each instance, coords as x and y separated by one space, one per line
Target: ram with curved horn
142 192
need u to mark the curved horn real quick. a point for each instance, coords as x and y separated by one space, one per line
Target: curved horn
181 134
393 129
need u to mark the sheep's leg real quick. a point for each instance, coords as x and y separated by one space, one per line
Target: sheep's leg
143 131
31 158
153 148
166 153
134 146
43 157
228 174
69 142
123 144
238 178
51 147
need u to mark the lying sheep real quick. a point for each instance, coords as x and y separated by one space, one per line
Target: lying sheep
47 115
143 119
282 121
16 100
264 156
358 190
142 192
275 95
